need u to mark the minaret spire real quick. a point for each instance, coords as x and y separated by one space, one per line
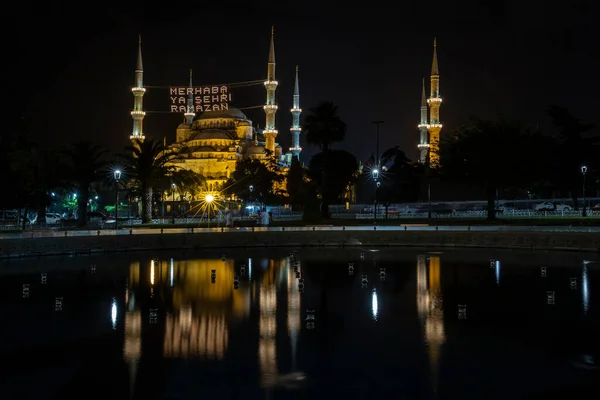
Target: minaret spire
296 111
423 126
271 106
138 97
190 112
434 102
434 63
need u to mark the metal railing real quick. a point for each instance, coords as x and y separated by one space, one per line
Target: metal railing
241 230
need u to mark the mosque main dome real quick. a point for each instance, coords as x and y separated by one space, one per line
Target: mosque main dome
231 113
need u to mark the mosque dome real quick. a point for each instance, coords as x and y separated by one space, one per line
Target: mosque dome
232 113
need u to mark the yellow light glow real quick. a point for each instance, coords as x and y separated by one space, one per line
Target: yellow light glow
209 198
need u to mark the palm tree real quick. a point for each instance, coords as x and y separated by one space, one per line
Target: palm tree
83 165
147 166
322 128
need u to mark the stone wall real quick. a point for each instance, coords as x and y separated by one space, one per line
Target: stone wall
576 241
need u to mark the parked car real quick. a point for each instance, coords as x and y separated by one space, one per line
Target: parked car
550 206
92 216
51 219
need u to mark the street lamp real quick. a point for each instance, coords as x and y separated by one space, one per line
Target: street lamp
376 171
583 172
117 175
209 199
173 203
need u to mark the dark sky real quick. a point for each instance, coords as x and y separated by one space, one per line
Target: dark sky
70 69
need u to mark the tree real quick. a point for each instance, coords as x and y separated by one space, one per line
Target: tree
83 164
397 176
295 184
573 150
340 168
252 180
491 153
147 166
323 127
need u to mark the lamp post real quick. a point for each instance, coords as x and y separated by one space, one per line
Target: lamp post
583 172
117 175
376 171
173 203
209 199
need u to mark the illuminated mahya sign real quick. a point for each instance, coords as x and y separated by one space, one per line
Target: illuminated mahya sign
205 98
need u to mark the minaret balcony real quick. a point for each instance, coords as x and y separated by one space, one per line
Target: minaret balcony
295 129
423 126
298 110
423 146
271 84
270 107
270 132
434 100
295 148
435 126
138 90
189 114
137 137
137 113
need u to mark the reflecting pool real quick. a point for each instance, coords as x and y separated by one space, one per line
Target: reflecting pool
294 323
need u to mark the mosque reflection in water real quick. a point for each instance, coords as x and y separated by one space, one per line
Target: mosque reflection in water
202 308
192 311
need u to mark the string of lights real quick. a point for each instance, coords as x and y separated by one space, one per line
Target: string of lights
230 85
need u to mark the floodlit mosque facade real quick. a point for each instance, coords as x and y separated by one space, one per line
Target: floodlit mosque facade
215 140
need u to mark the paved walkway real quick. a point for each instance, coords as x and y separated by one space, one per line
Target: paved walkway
154 231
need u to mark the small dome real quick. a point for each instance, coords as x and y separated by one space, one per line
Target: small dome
233 113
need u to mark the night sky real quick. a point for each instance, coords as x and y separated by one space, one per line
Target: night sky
71 69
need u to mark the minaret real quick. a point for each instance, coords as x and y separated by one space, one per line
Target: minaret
190 113
295 129
138 97
434 102
271 107
423 128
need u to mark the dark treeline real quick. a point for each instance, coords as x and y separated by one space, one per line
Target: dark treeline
483 156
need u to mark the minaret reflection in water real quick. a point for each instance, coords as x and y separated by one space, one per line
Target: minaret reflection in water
132 343
197 311
267 328
585 290
430 309
294 313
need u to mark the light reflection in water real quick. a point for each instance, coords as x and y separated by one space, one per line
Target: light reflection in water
172 277
267 351
497 272
374 305
294 315
585 290
113 313
430 308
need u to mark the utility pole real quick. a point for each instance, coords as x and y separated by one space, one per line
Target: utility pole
376 171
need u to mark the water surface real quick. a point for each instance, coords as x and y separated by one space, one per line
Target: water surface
300 323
